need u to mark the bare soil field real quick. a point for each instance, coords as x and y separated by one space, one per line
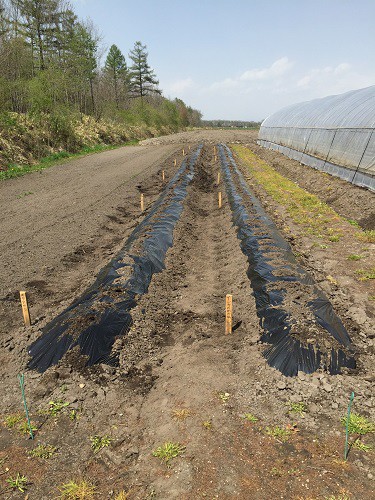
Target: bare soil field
239 427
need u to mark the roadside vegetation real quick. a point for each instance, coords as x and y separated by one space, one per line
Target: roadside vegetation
58 97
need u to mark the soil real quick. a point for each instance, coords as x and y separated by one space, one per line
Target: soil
180 378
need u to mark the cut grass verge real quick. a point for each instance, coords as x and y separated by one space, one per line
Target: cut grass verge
314 216
57 159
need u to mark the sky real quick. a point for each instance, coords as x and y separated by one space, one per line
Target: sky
244 59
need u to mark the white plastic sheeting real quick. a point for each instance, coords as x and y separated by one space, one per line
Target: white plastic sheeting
335 134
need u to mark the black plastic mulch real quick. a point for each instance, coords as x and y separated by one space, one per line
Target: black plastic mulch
285 352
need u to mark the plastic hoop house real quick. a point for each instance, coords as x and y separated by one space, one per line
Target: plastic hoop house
334 134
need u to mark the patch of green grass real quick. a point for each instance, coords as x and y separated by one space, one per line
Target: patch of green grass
279 433
334 238
82 490
366 274
358 424
250 417
354 256
168 451
18 483
100 442
55 407
43 451
58 158
297 408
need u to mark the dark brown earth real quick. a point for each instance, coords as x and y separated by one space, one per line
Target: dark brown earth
176 356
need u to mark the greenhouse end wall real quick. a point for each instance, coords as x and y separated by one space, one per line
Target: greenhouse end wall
334 134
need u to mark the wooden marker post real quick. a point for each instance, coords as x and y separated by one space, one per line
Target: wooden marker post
218 178
189 148
25 309
219 198
163 175
183 152
228 314
142 203
215 159
175 162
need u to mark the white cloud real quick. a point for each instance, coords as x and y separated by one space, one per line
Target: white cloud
179 86
277 69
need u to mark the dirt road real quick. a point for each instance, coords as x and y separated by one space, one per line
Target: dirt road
243 429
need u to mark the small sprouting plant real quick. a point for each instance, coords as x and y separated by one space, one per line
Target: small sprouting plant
73 415
354 256
43 451
353 223
334 238
297 408
99 442
168 451
323 246
55 407
181 414
361 446
12 420
207 424
358 424
278 433
275 472
25 429
250 417
365 274
77 490
18 483
224 396
122 495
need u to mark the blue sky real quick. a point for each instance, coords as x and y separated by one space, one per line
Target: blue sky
244 59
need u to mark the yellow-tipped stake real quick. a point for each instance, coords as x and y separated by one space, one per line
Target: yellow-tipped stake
228 314
142 203
219 199
25 309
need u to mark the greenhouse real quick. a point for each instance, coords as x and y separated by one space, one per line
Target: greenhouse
334 134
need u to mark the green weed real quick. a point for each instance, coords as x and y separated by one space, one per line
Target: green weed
100 442
358 424
25 429
361 446
207 424
43 451
168 451
55 407
12 420
353 256
279 433
18 483
366 274
297 408
81 490
250 417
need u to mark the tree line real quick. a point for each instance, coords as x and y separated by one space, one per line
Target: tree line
50 62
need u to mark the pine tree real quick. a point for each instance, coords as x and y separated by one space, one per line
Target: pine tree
142 79
116 69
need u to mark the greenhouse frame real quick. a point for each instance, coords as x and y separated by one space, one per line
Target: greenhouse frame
334 134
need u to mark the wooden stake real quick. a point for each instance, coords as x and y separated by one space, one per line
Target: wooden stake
25 309
214 150
175 162
163 175
183 152
218 178
219 198
189 148
228 314
142 203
